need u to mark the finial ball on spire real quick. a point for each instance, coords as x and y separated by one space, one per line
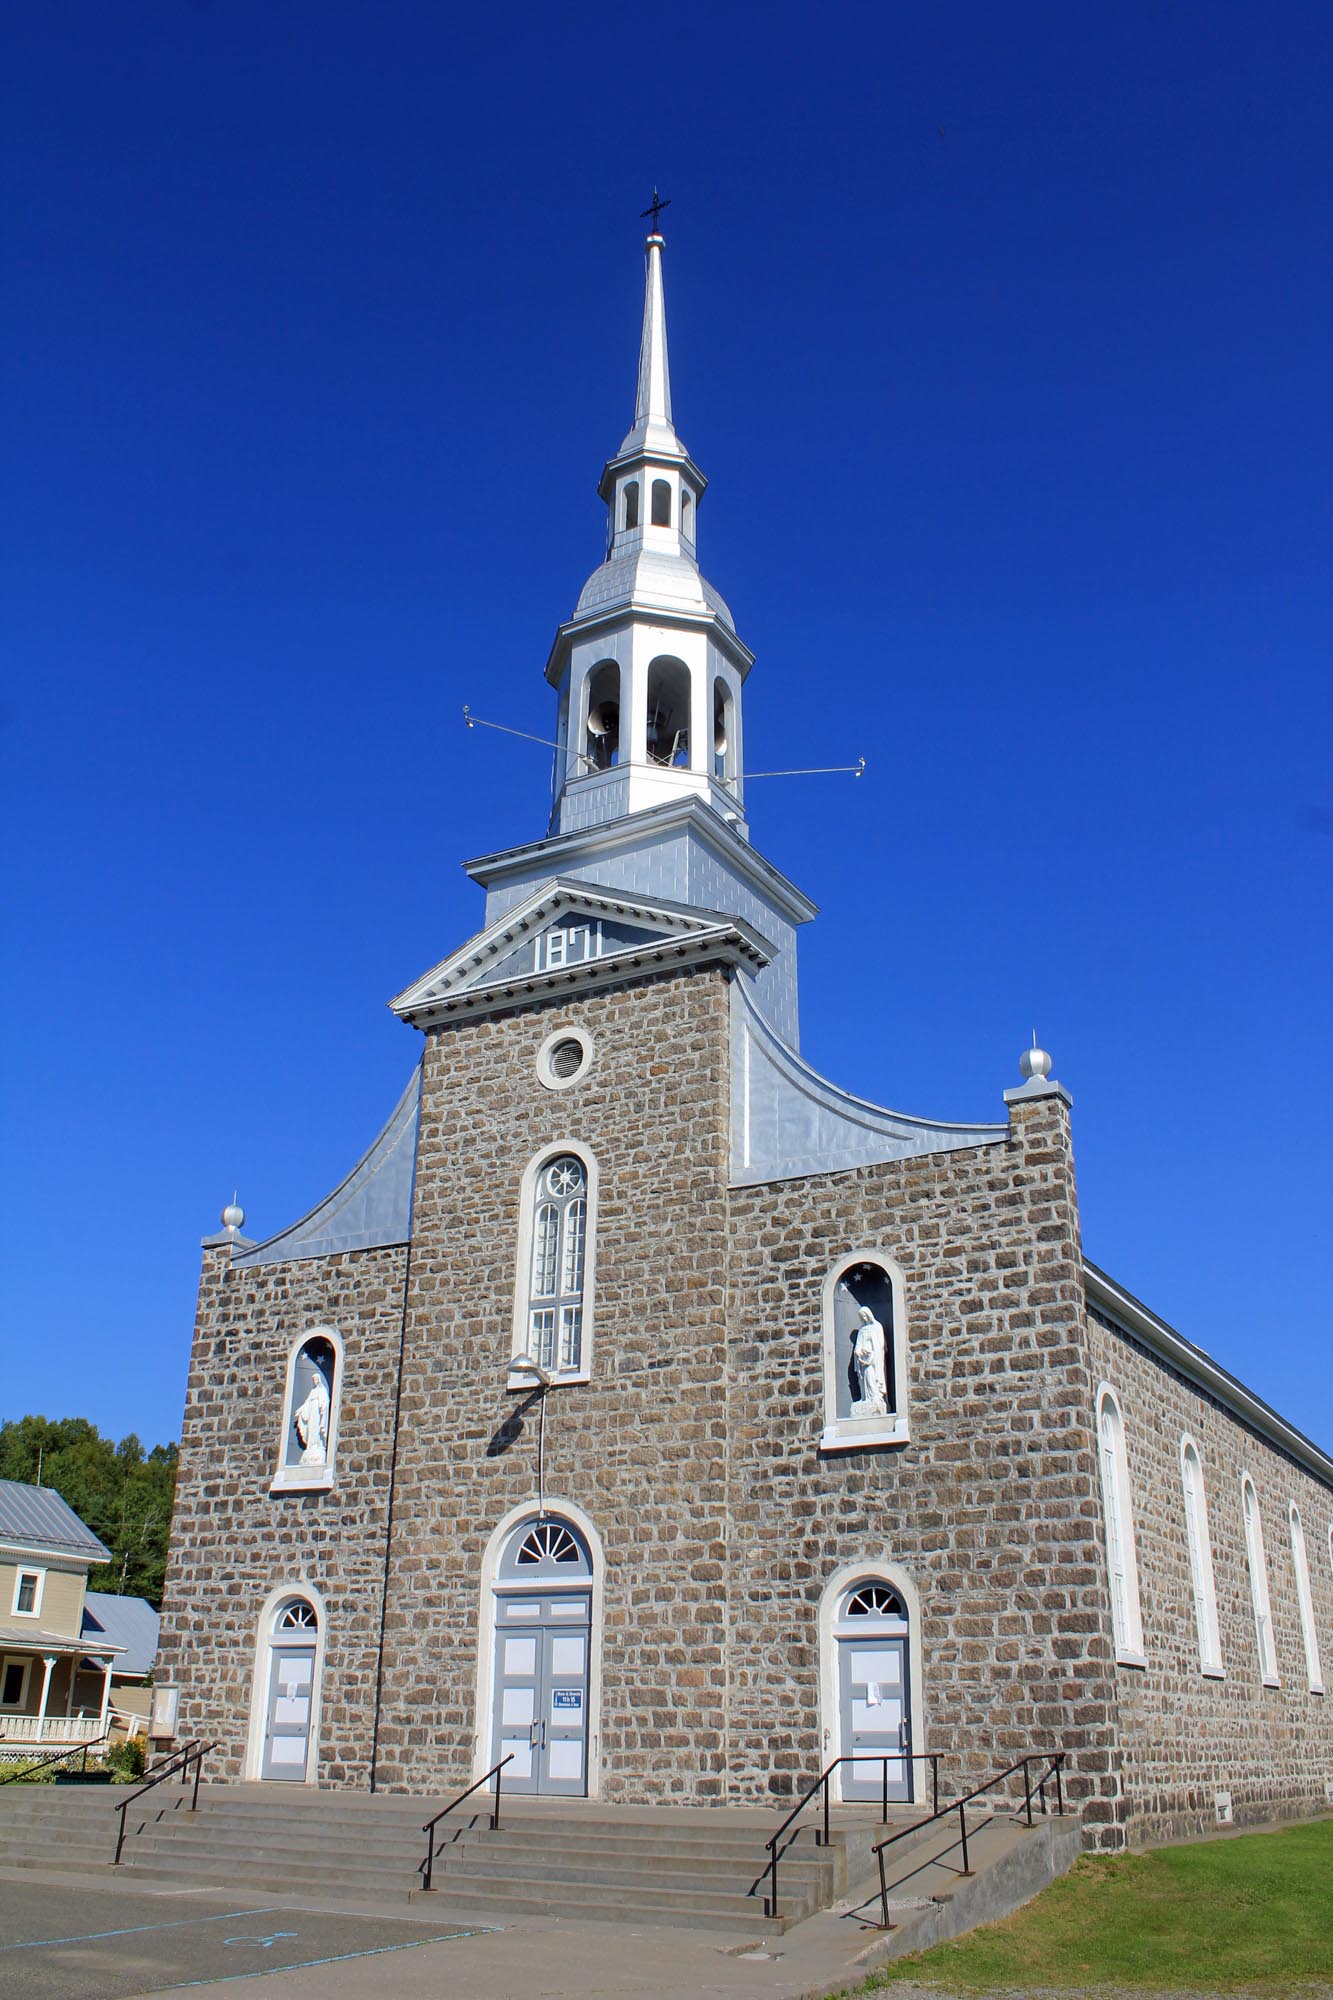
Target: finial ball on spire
1034 1063
233 1215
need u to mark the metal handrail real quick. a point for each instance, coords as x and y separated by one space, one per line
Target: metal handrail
1053 1760
426 1870
70 1750
883 1759
193 1753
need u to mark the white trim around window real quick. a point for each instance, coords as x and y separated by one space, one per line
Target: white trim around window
1259 1598
1313 1668
1118 1515
573 1243
1200 1549
23 1660
28 1572
295 1472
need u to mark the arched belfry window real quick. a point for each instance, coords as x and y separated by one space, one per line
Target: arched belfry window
630 504
1118 1513
309 1433
864 1316
668 733
724 731
553 1305
602 731
687 513
1259 1598
661 503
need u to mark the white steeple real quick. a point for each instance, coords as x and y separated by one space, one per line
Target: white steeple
649 668
652 427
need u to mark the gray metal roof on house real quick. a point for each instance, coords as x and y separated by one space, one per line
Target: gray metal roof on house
35 1517
128 1622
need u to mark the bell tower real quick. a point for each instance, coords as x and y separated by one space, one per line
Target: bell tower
649 669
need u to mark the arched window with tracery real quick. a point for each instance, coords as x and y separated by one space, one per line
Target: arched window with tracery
554 1312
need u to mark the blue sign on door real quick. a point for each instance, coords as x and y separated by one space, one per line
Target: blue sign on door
571 1698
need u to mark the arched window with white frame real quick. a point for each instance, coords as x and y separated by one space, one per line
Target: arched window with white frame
1121 1560
553 1299
1300 1564
1259 1598
1201 1560
308 1438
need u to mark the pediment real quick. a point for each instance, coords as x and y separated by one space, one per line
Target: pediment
568 933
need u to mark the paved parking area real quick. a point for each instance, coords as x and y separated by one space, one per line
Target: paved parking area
81 1940
62 1943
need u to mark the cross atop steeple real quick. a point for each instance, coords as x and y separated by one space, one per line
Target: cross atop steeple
654 208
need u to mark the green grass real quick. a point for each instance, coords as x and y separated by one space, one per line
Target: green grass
1254 1912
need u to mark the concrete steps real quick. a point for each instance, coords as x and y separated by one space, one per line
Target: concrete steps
701 1867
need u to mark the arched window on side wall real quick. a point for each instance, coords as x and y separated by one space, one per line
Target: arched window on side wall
1200 1559
553 1303
1259 1598
661 503
1118 1512
1309 1633
631 504
687 513
309 1435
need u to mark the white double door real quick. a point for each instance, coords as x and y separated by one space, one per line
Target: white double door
540 1716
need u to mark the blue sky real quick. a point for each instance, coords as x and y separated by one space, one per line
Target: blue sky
1003 335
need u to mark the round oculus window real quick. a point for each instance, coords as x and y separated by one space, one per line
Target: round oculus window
563 1058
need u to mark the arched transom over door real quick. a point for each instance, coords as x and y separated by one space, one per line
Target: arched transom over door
290 1692
870 1634
543 1629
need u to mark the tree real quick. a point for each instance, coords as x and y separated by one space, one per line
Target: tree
124 1494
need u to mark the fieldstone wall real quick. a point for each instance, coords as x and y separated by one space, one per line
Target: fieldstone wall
1185 1736
233 1541
641 1448
991 1509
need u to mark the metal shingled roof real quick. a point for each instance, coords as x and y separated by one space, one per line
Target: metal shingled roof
130 1622
36 1517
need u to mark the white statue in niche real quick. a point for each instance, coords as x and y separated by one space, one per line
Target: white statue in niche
869 1362
312 1422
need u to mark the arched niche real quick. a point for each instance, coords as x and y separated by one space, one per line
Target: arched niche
864 1329
661 503
308 1436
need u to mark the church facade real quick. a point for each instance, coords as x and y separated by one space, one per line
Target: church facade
650 1412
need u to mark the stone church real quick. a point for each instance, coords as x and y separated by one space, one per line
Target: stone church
651 1412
